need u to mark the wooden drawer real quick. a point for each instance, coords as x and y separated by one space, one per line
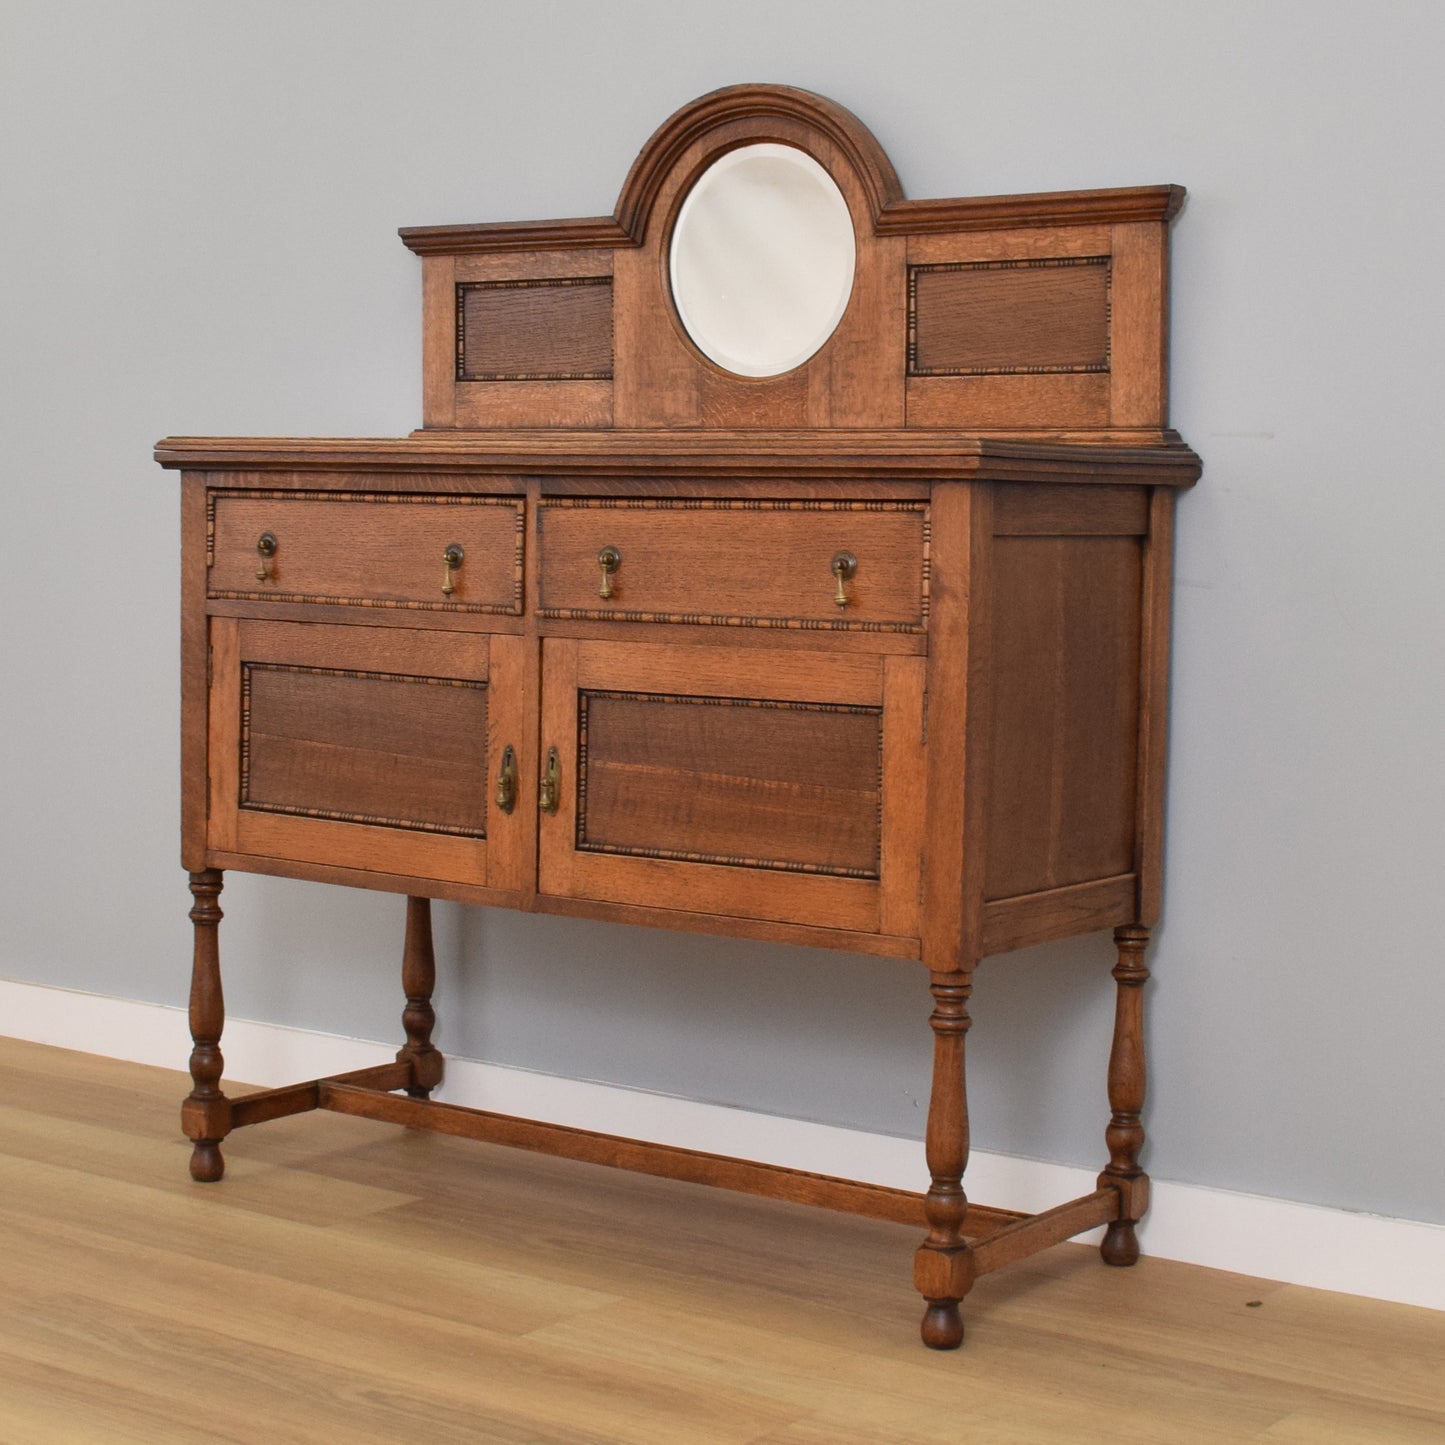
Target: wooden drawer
366 549
737 563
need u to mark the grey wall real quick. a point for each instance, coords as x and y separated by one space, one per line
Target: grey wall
199 209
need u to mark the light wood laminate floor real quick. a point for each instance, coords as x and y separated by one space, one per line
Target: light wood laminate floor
352 1281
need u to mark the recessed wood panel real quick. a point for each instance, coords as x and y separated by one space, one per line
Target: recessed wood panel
977 318
546 329
403 752
792 786
1065 647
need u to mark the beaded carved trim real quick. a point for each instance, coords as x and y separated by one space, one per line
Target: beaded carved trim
1049 263
328 814
585 845
512 609
745 504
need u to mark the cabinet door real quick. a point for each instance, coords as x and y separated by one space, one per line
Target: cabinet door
756 783
366 747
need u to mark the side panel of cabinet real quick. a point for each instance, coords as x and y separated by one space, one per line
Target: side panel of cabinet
1065 700
751 784
364 748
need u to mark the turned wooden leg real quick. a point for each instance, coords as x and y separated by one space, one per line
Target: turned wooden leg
418 979
1125 1134
943 1268
206 1113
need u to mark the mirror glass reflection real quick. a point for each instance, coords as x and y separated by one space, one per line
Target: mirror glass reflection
762 259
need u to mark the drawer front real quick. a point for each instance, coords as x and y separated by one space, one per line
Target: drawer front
737 563
367 549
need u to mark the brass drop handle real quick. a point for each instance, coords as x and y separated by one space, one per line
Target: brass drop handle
845 564
550 792
452 560
266 545
507 781
609 559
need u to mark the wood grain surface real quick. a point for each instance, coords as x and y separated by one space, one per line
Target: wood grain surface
365 748
770 785
553 329
1014 316
370 551
763 563
1066 614
1030 453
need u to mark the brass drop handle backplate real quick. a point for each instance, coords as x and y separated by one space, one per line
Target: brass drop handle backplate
507 780
452 560
266 545
609 559
549 795
845 564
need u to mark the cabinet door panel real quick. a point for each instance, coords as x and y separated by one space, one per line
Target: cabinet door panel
752 784
365 747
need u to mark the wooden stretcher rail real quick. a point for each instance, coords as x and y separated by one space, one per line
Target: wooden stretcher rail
267 1104
998 1236
692 1166
348 1095
1034 1232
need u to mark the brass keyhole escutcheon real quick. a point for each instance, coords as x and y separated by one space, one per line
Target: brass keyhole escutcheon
845 564
507 780
549 794
609 559
266 545
452 560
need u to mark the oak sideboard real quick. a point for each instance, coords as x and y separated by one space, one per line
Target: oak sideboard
853 636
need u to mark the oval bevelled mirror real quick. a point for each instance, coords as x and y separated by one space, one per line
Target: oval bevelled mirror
762 259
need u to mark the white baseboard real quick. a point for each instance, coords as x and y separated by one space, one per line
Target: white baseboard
1364 1254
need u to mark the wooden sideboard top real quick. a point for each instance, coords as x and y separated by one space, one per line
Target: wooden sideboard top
1155 458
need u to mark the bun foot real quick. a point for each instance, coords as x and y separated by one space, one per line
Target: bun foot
207 1166
942 1325
1121 1244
